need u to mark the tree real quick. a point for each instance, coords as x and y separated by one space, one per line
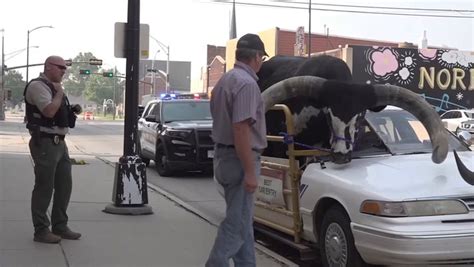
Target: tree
75 83
14 81
99 88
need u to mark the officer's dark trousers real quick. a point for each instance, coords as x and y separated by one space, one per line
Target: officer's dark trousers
52 174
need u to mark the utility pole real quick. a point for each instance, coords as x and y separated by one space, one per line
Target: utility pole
2 92
309 30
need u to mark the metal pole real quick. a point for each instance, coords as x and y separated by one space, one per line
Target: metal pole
114 81
28 47
2 92
131 83
167 68
309 29
27 54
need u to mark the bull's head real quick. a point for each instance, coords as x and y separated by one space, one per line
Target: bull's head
345 104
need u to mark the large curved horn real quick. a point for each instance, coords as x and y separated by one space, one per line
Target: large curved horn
416 105
466 174
309 86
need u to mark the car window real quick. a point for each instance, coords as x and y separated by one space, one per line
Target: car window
402 132
470 115
186 110
446 115
147 110
456 115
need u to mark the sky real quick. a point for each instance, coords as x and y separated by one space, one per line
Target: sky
187 26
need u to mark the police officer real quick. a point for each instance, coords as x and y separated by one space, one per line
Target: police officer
49 117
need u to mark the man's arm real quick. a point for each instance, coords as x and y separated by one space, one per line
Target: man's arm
241 131
50 110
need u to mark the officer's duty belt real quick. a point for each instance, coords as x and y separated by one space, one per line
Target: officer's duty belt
55 137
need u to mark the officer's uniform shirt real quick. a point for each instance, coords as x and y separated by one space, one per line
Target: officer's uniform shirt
40 95
235 98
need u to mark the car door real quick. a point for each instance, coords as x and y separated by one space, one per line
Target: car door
446 118
455 121
155 128
147 127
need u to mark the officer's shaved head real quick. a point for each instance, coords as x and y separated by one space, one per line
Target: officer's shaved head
54 68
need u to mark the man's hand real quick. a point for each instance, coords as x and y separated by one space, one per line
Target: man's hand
250 183
59 88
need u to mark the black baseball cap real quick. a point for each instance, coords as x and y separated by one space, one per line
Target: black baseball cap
251 41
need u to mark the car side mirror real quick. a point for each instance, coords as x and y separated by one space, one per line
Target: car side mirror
150 118
465 136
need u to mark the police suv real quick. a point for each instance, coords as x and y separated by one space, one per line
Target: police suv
175 132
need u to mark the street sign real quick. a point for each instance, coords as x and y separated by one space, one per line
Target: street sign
120 44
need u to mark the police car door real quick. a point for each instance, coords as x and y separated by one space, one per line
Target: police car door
148 134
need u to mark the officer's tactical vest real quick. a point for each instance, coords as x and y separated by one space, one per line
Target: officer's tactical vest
34 116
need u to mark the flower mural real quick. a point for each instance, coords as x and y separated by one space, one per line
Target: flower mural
428 53
385 62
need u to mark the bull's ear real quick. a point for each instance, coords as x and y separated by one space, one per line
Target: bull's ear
377 109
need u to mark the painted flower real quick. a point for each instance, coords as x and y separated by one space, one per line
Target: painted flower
408 61
428 53
384 62
404 73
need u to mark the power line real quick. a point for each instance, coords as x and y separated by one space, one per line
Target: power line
352 11
382 7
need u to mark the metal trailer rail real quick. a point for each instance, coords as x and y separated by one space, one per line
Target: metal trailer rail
276 216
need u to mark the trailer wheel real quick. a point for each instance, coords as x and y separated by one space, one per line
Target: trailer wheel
336 240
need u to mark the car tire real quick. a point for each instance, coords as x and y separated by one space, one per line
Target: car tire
161 163
336 241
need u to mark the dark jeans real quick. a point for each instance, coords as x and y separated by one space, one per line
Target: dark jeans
52 173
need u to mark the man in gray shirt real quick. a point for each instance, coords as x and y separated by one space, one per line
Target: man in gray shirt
239 133
49 118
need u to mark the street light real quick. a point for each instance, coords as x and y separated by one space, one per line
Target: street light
2 96
166 49
28 47
153 74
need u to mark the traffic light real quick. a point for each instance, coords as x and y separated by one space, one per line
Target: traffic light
85 72
108 74
95 61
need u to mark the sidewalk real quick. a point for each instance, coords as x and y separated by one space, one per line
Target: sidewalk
172 236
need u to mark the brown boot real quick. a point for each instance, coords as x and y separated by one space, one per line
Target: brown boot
47 237
67 234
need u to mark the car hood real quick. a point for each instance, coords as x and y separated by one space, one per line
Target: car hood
400 177
204 124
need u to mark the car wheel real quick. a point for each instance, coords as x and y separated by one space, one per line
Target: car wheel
161 161
336 241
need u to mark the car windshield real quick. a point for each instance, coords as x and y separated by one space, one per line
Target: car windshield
469 114
186 111
396 132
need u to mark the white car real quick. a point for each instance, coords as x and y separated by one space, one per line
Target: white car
453 119
391 205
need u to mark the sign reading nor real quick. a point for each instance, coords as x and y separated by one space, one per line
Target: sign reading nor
119 40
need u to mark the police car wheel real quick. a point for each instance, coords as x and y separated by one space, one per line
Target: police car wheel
161 163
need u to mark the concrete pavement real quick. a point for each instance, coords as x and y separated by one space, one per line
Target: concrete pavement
172 236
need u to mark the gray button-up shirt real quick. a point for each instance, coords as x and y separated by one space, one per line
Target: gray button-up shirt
235 98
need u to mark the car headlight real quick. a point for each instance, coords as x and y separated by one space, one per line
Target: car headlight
178 133
413 208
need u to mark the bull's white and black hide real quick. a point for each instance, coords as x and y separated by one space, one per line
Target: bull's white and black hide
343 102
311 124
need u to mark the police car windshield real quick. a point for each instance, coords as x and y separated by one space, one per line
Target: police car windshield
186 111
